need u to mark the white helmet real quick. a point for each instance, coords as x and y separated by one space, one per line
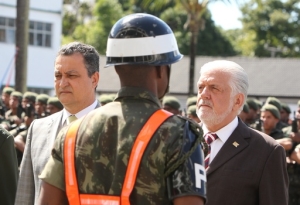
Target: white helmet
141 39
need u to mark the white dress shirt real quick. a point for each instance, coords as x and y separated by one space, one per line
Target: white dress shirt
223 135
80 114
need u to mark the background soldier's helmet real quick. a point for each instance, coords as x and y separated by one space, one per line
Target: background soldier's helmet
141 39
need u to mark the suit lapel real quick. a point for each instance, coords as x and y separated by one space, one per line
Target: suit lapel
236 142
54 127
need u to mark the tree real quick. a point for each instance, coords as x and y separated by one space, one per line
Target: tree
194 23
22 24
243 42
273 26
210 42
93 27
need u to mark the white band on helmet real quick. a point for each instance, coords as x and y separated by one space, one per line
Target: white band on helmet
128 47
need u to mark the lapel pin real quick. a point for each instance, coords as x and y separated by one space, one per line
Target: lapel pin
235 144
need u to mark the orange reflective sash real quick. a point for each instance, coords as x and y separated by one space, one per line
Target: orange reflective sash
137 152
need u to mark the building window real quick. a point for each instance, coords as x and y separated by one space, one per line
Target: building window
7 30
40 33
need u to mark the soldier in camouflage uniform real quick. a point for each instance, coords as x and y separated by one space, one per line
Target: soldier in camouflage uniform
270 117
294 164
53 105
105 98
171 104
20 132
168 171
252 119
13 116
41 105
4 106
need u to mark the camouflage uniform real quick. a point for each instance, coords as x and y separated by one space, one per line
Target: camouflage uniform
104 142
277 134
293 172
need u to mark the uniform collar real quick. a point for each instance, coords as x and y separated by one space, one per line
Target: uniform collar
137 93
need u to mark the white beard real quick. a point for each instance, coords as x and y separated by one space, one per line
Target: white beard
209 117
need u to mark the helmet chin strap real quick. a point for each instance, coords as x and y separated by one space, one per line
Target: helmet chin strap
167 88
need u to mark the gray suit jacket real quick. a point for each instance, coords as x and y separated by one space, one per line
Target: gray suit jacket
250 169
39 143
40 139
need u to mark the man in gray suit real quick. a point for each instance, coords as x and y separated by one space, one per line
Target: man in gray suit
76 78
244 166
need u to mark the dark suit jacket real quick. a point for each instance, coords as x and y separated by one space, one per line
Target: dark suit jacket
251 172
8 168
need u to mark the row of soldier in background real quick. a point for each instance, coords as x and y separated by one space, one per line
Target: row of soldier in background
271 117
274 118
18 110
169 103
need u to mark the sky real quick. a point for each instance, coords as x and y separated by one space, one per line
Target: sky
225 14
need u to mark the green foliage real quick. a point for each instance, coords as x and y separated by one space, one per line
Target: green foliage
69 23
102 16
93 24
273 25
243 42
211 41
107 12
152 7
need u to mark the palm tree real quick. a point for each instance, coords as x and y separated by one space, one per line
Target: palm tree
194 23
194 11
22 24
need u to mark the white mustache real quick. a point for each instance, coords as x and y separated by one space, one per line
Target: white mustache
204 102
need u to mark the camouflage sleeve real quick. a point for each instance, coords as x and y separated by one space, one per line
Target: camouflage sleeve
54 173
189 177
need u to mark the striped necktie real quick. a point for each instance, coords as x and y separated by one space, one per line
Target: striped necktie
209 138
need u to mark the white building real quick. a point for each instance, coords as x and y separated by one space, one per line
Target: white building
45 28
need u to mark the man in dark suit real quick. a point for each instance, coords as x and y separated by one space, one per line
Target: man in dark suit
245 166
8 168
76 78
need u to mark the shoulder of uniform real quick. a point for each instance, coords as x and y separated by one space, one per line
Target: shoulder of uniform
192 139
194 126
198 132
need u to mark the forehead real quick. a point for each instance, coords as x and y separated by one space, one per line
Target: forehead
14 98
267 113
214 76
75 60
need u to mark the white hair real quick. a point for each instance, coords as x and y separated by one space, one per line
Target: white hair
238 76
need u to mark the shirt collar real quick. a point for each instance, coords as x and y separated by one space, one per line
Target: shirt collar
81 113
224 132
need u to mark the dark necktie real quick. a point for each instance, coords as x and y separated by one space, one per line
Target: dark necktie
209 138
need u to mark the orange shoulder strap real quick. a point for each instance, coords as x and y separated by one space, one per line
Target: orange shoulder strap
137 152
69 163
138 149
